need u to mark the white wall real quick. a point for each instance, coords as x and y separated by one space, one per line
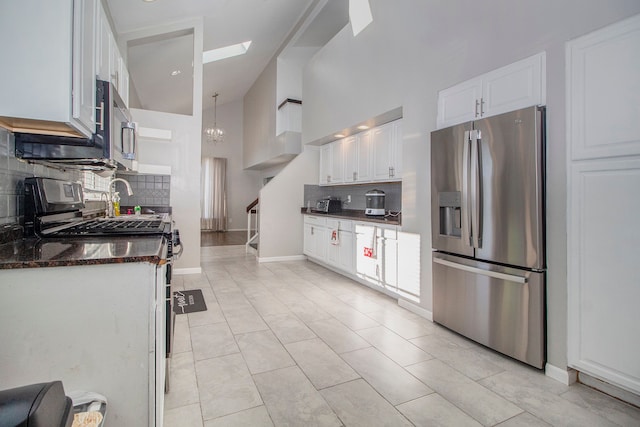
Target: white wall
413 49
242 186
260 117
182 153
281 223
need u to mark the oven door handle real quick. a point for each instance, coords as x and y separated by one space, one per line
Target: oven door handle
176 255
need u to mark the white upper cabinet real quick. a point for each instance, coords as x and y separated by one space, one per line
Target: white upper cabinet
386 143
369 156
85 15
509 88
110 64
47 78
337 162
364 151
326 152
350 153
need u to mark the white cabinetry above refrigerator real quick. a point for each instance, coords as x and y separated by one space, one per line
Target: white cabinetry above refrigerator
518 85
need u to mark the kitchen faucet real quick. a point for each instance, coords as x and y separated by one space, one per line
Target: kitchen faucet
126 183
112 192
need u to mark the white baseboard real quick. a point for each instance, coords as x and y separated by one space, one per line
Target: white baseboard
282 258
565 376
414 308
184 271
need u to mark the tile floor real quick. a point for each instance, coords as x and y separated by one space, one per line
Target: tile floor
293 344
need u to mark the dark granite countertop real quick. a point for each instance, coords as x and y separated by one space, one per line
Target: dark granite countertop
358 215
64 252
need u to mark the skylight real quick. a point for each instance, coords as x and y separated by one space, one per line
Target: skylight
225 52
359 15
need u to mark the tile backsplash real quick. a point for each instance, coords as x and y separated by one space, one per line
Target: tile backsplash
392 190
148 190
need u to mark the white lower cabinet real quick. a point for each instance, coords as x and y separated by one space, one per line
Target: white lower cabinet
94 327
340 248
375 254
315 241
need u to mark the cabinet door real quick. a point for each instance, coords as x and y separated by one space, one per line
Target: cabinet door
602 192
389 263
350 153
347 250
367 267
103 45
381 143
84 64
396 148
364 157
459 104
518 85
337 162
123 83
325 164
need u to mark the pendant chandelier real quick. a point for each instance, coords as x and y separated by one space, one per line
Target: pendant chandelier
214 134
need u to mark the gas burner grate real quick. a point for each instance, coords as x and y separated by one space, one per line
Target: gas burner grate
115 227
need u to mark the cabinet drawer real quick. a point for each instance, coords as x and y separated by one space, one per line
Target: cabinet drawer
315 220
340 224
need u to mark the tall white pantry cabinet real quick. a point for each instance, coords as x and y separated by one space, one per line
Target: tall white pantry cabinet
603 167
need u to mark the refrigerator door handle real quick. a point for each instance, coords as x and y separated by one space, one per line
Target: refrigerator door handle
466 199
475 270
476 190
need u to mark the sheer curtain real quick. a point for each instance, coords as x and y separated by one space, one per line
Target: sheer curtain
213 203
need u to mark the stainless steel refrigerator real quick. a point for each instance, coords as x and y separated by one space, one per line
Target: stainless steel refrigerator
488 232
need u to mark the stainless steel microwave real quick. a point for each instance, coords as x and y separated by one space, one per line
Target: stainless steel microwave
113 145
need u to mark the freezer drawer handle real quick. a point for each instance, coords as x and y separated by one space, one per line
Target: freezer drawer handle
494 274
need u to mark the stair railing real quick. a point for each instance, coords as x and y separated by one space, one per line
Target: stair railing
252 212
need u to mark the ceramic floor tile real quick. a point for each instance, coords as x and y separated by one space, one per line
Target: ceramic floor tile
482 404
212 340
394 346
359 302
435 411
406 328
307 311
338 336
465 360
544 404
603 405
263 352
212 314
523 420
321 364
225 386
266 304
244 320
254 417
181 334
185 416
388 378
351 317
183 387
357 404
288 328
292 400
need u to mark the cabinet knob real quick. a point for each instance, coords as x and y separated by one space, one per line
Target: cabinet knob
355 176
